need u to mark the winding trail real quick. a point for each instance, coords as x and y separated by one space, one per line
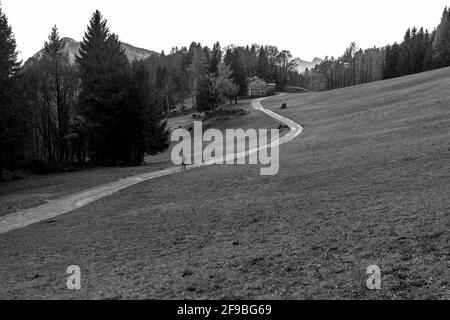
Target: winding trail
54 208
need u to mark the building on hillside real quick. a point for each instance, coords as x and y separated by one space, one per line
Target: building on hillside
271 87
257 87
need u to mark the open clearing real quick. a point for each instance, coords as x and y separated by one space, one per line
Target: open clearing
367 183
64 205
35 190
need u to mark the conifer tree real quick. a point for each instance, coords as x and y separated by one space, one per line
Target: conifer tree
391 61
227 59
238 69
420 48
11 117
207 96
406 60
215 59
198 71
104 70
263 67
429 63
142 125
57 62
162 86
441 43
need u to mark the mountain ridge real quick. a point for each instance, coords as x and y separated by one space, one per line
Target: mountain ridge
72 47
302 65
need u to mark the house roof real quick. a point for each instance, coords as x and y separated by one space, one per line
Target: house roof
256 79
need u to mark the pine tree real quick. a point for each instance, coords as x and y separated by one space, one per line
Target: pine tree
207 97
228 58
104 70
57 61
253 60
406 60
420 48
93 45
215 59
391 61
162 87
11 119
145 131
387 74
441 43
238 69
263 66
198 71
429 63
8 52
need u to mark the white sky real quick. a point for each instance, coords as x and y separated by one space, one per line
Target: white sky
306 28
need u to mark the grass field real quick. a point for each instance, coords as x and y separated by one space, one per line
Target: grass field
33 190
367 183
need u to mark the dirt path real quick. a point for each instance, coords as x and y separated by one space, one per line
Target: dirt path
70 203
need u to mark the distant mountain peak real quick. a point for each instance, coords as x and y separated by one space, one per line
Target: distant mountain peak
67 39
302 65
73 47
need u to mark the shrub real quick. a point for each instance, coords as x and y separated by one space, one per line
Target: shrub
38 166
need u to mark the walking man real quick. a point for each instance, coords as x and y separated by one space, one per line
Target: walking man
183 164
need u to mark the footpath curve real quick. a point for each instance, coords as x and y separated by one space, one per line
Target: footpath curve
67 204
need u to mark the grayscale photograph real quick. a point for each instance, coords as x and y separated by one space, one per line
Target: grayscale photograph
242 150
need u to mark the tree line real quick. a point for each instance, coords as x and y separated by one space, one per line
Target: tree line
212 76
419 51
104 109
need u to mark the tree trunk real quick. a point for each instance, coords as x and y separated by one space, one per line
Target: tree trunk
60 145
2 177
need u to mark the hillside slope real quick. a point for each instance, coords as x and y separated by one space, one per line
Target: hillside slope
367 183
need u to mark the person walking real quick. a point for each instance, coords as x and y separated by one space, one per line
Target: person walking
183 164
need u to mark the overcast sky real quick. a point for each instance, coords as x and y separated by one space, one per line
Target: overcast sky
308 29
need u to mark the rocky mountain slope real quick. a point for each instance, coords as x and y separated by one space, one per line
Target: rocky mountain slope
72 47
302 65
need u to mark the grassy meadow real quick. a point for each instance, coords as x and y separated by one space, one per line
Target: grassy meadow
366 183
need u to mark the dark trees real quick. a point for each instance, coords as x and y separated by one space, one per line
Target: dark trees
142 127
233 60
419 51
108 85
391 64
104 70
441 42
62 81
12 129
